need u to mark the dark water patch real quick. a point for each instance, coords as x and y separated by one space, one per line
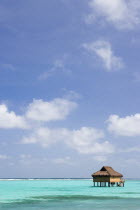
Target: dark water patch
61 198
130 193
78 204
79 197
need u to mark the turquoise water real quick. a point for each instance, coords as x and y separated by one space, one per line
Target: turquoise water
67 194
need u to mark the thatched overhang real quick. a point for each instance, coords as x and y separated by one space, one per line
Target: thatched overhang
106 171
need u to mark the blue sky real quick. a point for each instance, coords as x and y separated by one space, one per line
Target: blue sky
69 87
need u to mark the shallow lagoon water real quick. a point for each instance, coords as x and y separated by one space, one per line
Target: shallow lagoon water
67 194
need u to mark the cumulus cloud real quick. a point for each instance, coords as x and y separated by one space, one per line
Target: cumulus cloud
45 136
86 140
127 126
57 109
104 51
8 119
123 14
37 111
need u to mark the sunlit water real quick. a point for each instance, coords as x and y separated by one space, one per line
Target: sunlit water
67 194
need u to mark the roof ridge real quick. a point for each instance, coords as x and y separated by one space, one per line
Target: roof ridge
106 167
107 171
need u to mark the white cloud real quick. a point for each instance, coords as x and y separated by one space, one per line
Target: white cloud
58 66
131 149
45 136
127 126
136 76
58 109
65 160
4 157
25 156
123 14
85 140
37 111
132 162
8 66
71 95
10 119
104 51
100 158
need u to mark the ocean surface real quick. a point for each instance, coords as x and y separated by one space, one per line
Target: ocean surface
69 194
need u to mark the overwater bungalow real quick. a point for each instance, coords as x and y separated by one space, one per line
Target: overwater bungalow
107 176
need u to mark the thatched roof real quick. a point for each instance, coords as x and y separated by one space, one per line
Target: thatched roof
107 171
